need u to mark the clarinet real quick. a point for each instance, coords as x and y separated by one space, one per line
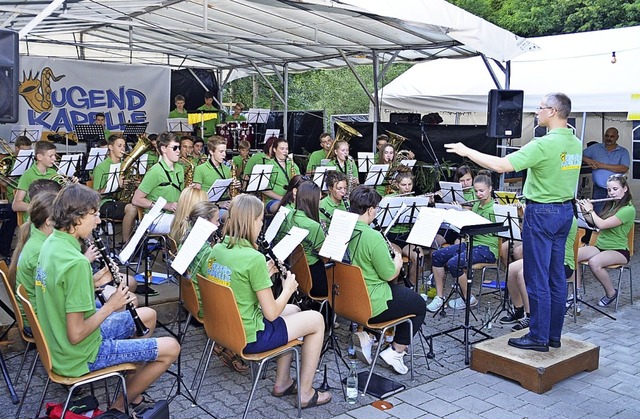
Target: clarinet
141 329
376 226
345 201
266 247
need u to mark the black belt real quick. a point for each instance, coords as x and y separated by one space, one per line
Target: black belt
530 201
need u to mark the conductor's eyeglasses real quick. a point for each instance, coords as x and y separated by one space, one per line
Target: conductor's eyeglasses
544 107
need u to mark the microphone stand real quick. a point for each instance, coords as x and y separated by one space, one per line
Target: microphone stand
431 152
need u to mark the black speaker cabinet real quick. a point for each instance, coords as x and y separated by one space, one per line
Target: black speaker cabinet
404 117
8 76
504 113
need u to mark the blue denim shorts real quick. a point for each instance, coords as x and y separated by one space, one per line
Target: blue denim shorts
275 334
117 348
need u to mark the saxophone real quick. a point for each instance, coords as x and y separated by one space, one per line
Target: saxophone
233 191
352 181
189 168
292 170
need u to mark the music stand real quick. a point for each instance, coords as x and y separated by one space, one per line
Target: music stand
218 190
89 133
320 176
469 231
262 178
95 157
179 125
23 161
133 131
376 175
454 192
32 132
365 161
257 116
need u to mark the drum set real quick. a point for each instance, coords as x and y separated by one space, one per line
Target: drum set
234 132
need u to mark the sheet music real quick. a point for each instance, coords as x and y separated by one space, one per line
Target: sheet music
144 225
285 247
96 156
179 125
339 235
448 196
271 133
277 221
218 188
582 222
506 197
32 132
426 227
376 175
502 213
142 164
24 160
258 116
408 163
364 161
112 180
320 177
461 219
199 234
69 164
394 220
260 177
409 216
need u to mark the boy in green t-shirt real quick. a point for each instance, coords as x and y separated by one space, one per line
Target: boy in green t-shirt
45 157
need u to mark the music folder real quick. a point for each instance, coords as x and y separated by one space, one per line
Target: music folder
288 243
199 234
339 235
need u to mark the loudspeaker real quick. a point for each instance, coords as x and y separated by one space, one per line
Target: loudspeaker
504 113
8 76
404 117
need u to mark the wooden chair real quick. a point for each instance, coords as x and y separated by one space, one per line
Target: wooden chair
4 272
620 267
223 324
576 245
73 382
300 267
496 285
20 217
352 303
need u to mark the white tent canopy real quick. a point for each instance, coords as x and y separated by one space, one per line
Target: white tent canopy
576 64
253 35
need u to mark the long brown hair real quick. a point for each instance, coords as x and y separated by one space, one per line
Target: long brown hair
612 207
243 211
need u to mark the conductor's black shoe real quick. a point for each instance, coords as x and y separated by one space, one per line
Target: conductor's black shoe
525 342
554 343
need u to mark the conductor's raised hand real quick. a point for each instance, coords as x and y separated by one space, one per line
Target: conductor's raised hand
457 148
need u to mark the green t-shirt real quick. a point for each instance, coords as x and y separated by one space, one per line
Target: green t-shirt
469 194
258 158
369 251
177 114
31 175
553 166
27 263
101 175
281 175
210 125
569 258
349 168
64 284
616 238
244 269
329 206
201 264
315 160
231 118
152 158
206 174
160 181
314 240
488 240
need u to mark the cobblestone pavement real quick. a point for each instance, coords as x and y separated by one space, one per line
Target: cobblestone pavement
446 387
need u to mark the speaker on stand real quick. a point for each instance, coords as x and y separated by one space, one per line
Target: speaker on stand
9 72
504 113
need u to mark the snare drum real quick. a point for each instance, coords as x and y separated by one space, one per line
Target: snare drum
244 125
221 130
232 126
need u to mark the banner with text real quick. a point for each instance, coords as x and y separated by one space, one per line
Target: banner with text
58 94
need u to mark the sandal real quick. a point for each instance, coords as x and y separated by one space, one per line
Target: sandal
233 361
292 389
218 350
143 405
313 402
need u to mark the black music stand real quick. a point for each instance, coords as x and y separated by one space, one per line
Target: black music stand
22 164
469 231
261 181
3 366
90 134
132 131
220 191
376 177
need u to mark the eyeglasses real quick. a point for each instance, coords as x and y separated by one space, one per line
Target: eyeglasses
544 107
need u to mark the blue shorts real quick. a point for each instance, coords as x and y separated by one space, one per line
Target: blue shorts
275 334
271 204
117 348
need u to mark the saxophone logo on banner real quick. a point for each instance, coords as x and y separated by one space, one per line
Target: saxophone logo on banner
60 94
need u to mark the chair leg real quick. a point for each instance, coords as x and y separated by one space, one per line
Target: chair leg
204 352
299 396
186 327
253 387
204 371
44 392
630 285
24 358
373 363
66 402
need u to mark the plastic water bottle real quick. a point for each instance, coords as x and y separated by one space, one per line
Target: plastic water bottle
352 383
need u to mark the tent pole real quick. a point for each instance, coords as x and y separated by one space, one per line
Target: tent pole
376 100
285 116
266 80
491 72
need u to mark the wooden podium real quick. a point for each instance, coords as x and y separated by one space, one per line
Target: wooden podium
535 371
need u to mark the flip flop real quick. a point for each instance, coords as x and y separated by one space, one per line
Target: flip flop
313 402
292 389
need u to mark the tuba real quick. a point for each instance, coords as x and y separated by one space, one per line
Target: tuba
396 140
6 164
131 177
343 133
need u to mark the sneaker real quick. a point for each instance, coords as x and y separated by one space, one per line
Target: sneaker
394 359
364 343
459 304
523 323
435 304
605 301
511 318
570 299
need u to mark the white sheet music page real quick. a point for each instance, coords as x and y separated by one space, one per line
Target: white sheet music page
197 237
277 221
319 176
112 180
461 219
260 177
339 235
508 214
364 161
24 160
400 212
144 225
218 188
426 227
285 247
376 175
142 164
68 164
96 156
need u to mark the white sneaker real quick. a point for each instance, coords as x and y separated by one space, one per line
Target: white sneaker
394 359
459 304
364 343
435 304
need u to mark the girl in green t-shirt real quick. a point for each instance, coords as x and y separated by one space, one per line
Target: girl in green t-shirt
269 321
611 247
337 197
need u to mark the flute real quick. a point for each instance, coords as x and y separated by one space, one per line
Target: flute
141 329
602 199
